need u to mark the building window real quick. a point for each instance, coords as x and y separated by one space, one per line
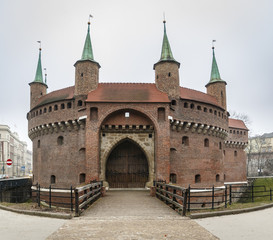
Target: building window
199 108
161 114
224 177
205 109
81 74
79 103
192 106
197 178
127 114
210 111
186 105
173 178
185 141
230 131
41 111
44 110
206 143
220 145
69 105
55 107
62 106
174 102
224 152
82 177
94 113
60 140
217 178
50 109
169 74
38 144
52 179
215 112
235 153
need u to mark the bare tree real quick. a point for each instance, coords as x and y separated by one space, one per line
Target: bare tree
242 116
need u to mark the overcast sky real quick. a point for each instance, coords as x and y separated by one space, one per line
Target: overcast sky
127 37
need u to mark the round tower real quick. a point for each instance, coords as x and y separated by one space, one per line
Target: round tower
86 69
167 70
37 87
216 86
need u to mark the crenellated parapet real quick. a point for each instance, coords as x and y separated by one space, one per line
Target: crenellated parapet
179 125
70 125
233 144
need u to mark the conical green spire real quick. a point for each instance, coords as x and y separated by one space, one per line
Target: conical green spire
87 53
215 75
166 52
39 74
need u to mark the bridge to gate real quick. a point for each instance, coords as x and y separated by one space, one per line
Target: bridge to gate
123 214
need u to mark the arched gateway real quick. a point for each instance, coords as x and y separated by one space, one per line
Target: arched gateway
127 166
127 145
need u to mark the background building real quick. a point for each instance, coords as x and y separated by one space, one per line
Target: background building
12 148
260 155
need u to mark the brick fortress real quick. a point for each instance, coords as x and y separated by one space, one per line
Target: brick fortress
129 134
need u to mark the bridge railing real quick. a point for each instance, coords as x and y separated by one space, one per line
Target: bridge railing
76 199
86 195
173 196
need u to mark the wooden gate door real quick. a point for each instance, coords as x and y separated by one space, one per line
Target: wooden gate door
127 167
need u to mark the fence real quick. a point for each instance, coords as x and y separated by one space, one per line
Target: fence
250 193
174 196
71 198
202 198
85 195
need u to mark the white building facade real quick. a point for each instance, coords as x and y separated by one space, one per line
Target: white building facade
12 148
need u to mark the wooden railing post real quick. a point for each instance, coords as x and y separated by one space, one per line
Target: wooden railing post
189 198
77 212
71 198
186 192
270 194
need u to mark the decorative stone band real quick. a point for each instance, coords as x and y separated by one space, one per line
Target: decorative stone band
233 144
127 128
56 127
178 125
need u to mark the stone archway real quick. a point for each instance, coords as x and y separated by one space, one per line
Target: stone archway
127 125
127 166
111 140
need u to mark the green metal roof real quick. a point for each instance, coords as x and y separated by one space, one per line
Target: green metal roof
87 53
166 52
215 74
39 74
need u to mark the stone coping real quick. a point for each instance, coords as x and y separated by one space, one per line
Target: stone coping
38 213
228 212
